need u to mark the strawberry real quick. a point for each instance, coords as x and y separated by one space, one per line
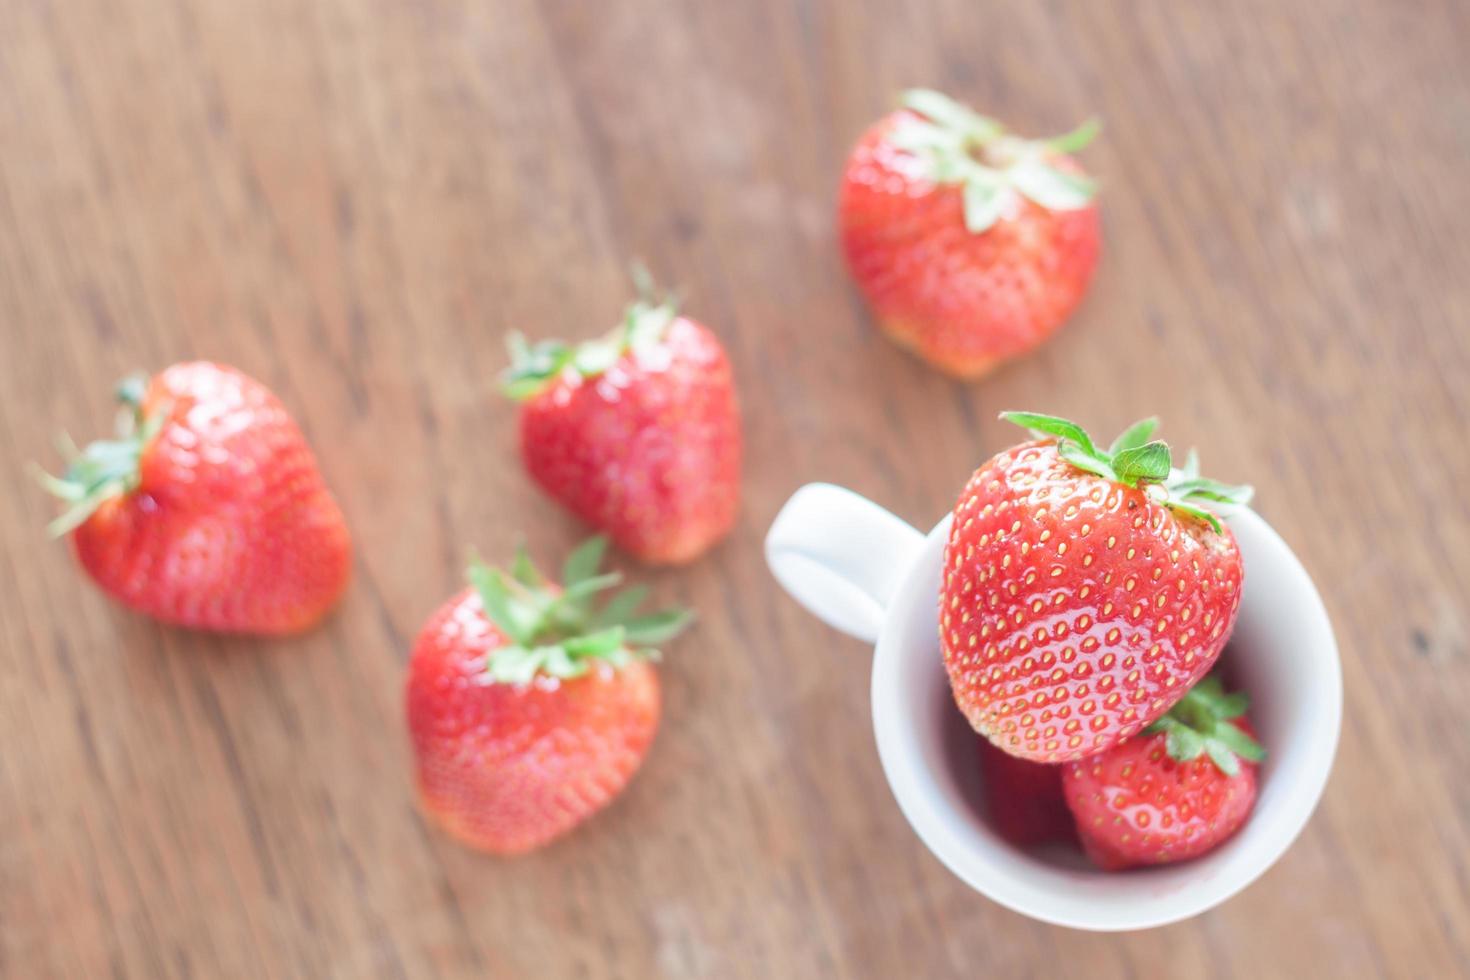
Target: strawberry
637 433
207 510
1178 790
971 245
1085 590
1024 799
529 706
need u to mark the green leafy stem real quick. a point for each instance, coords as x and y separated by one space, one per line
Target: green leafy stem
1135 459
562 632
106 468
959 146
535 366
1202 724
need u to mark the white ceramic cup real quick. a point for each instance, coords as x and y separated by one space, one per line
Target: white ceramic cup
868 573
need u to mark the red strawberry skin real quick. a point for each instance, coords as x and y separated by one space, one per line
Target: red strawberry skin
962 301
1024 799
649 450
231 527
506 768
1074 610
1134 805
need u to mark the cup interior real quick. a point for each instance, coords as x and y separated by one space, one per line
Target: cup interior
1282 653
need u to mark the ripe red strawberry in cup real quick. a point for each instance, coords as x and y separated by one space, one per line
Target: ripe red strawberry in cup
530 705
1085 590
1024 799
637 433
207 510
971 244
1176 791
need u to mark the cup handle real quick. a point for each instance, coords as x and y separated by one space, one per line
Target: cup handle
841 556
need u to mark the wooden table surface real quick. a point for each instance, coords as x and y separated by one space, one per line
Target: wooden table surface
353 201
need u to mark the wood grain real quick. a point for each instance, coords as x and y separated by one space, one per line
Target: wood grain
354 200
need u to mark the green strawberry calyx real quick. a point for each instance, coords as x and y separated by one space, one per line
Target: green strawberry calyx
1135 459
994 167
563 632
533 367
106 468
1201 724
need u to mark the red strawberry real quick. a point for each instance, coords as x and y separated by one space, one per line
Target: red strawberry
970 244
1085 590
208 510
1024 799
529 708
1178 790
637 433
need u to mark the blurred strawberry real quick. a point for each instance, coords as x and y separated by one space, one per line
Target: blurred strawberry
207 510
529 706
1024 799
637 433
972 245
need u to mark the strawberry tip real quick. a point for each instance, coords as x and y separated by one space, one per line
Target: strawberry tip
1134 459
533 367
562 632
1201 724
956 145
105 468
